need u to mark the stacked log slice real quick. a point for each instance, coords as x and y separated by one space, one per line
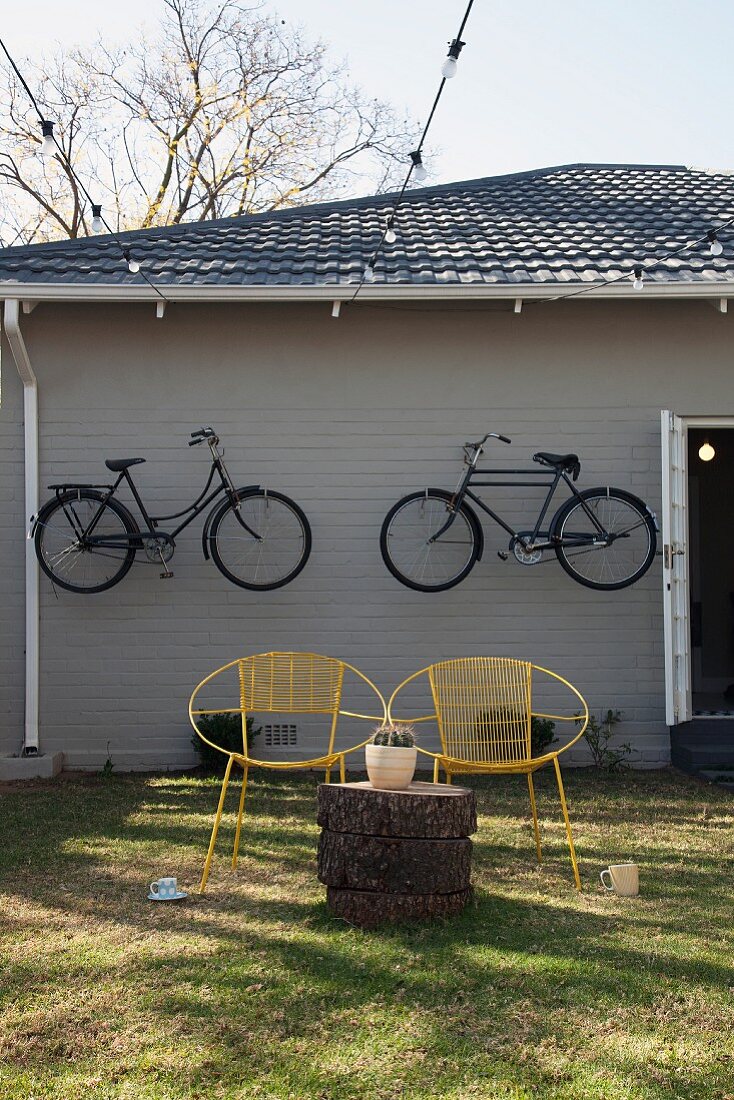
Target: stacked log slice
395 855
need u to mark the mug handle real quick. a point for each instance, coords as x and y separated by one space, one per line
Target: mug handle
601 876
154 887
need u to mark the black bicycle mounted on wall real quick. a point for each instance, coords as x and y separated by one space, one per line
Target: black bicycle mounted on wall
604 538
86 540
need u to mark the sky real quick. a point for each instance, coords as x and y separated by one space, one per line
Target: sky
540 82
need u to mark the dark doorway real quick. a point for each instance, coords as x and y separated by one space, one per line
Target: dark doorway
711 566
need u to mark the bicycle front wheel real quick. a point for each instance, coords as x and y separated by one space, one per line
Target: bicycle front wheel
408 547
69 557
607 540
263 542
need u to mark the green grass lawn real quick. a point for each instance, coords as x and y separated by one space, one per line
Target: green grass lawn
254 991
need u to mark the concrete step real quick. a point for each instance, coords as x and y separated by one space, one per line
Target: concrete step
704 743
721 778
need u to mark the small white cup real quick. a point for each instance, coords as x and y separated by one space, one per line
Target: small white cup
164 888
624 879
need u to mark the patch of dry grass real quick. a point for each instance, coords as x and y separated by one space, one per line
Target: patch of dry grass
253 991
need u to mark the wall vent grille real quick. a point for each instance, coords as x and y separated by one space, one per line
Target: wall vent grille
280 735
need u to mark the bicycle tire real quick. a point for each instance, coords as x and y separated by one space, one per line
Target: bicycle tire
472 530
294 557
640 559
50 525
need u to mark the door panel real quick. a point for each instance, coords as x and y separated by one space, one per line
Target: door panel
678 707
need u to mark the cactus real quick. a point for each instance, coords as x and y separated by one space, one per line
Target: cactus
401 737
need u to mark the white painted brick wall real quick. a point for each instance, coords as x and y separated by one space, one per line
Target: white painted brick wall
345 416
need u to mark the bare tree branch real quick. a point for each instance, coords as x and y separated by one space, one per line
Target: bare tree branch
227 111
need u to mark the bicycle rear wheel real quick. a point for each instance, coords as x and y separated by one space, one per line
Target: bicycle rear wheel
262 543
604 564
66 556
409 552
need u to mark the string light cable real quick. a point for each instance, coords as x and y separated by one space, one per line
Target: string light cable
49 147
417 168
639 270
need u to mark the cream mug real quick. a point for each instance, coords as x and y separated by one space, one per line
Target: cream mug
624 879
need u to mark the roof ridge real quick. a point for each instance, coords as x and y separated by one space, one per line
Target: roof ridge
153 233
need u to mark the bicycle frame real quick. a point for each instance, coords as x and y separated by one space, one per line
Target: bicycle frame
191 511
470 477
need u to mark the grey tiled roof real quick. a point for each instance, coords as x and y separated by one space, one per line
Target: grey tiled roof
575 223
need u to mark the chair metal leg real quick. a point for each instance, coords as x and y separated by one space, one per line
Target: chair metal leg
342 770
435 770
568 824
215 830
534 808
239 818
327 776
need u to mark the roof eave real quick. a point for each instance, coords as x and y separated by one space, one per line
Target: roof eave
54 292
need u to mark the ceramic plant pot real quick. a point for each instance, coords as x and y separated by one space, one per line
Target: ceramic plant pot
389 767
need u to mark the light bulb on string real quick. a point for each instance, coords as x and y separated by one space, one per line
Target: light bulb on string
419 169
97 225
132 264
637 278
369 273
451 64
706 452
715 245
48 145
390 234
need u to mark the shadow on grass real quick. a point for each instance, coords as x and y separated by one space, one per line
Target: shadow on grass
284 973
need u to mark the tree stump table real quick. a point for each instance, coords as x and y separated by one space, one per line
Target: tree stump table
395 855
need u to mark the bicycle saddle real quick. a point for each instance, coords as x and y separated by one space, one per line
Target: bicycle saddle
118 464
569 463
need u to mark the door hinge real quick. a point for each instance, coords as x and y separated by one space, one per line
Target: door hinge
669 553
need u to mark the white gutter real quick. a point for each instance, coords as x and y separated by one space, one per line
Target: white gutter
30 435
55 292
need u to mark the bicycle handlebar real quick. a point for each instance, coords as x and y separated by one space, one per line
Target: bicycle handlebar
203 434
489 435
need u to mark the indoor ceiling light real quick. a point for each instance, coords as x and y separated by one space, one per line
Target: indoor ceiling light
706 452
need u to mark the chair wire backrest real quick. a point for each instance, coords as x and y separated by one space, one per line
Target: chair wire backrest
304 683
483 707
295 683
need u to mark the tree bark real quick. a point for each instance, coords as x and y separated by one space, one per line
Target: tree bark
394 865
369 910
422 810
395 855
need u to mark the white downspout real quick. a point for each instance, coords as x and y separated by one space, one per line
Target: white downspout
30 435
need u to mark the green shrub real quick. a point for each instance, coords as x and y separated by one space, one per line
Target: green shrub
542 735
224 730
598 735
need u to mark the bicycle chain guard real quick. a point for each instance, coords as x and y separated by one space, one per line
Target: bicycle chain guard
159 548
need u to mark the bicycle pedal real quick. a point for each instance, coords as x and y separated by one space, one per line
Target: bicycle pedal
502 555
166 575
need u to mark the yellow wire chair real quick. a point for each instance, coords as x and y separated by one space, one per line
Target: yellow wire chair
281 683
484 710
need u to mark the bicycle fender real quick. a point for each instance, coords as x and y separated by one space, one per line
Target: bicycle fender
470 511
600 490
480 532
244 490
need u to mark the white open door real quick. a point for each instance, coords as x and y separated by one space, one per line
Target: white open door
675 570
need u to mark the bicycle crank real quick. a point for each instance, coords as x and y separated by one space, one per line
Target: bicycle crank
525 553
159 548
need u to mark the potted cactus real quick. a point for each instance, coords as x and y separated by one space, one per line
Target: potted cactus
391 757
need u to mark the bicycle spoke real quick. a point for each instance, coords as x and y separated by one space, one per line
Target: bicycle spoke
615 558
264 560
415 557
68 559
